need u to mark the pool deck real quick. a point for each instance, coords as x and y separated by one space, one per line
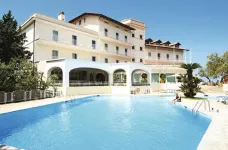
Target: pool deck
215 138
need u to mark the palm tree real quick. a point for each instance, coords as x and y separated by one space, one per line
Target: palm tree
190 68
190 85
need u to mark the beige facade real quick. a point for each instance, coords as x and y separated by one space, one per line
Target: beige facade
95 35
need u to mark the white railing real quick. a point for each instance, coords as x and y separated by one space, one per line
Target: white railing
119 84
89 84
121 54
140 84
69 43
21 95
115 38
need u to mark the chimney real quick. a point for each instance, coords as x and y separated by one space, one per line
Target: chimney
61 16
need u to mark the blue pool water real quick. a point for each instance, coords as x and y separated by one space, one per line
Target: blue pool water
105 123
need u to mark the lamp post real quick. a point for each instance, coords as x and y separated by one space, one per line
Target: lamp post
190 56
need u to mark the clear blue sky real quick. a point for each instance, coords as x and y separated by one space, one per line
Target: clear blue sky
199 25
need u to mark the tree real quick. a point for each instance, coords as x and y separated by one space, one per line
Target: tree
190 86
18 74
217 66
204 73
12 40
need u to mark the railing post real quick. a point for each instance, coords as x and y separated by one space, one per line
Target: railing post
25 97
5 97
30 95
12 96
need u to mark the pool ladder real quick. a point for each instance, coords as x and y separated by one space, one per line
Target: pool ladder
199 104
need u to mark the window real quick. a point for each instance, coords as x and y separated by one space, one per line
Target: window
133 47
133 60
167 56
55 54
157 43
170 77
106 60
106 32
155 78
166 44
80 22
74 40
84 20
117 61
141 37
125 38
55 35
141 48
177 57
125 52
106 47
93 44
117 50
149 54
117 36
141 60
159 55
133 35
93 58
74 56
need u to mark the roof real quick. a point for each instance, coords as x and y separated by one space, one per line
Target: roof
157 41
165 42
177 43
102 16
148 41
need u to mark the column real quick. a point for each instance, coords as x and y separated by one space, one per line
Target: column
65 78
110 79
129 78
149 80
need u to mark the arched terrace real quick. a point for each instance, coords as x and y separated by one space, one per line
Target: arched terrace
57 71
119 77
88 77
140 77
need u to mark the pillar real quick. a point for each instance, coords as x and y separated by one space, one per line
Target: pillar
65 78
129 78
110 79
149 80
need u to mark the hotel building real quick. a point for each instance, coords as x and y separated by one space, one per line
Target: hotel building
93 53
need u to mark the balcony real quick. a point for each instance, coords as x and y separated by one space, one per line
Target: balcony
117 53
115 39
153 60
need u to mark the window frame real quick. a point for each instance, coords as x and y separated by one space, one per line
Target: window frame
117 36
106 60
159 56
94 58
55 37
74 54
93 44
55 54
74 40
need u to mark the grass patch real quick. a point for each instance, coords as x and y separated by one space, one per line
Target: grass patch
195 98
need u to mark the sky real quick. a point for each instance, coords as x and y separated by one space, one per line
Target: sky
199 25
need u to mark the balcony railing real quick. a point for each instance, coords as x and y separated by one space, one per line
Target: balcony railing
88 83
116 38
140 84
164 60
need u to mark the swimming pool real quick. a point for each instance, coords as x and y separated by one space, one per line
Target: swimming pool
104 122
